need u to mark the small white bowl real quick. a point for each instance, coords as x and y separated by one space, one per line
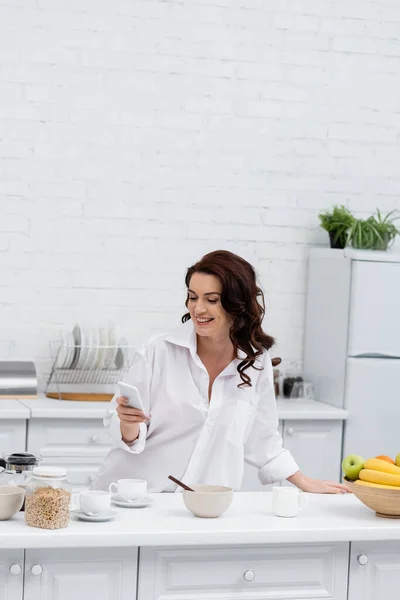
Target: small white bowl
11 501
208 501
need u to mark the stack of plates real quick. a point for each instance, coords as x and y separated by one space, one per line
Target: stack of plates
92 347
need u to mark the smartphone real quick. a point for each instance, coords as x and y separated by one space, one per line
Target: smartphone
132 393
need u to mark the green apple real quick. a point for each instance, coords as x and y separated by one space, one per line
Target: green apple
397 460
352 465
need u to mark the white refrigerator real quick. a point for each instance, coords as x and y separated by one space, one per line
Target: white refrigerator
352 344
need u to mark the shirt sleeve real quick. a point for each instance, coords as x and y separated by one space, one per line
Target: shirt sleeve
264 446
139 375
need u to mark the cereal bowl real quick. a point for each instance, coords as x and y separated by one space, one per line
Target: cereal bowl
11 501
208 501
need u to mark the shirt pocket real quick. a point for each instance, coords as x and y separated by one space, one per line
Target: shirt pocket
241 421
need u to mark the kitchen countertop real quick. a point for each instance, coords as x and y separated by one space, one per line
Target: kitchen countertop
13 409
46 408
326 518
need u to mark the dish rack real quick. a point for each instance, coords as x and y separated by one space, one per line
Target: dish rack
88 380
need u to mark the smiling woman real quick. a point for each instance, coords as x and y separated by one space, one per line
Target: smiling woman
208 393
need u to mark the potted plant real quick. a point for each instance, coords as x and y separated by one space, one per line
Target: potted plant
337 223
374 233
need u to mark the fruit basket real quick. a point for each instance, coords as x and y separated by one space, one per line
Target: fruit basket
384 501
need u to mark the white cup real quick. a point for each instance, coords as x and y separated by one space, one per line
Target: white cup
94 502
129 489
287 501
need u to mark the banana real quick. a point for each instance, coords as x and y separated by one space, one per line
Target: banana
379 477
377 485
377 464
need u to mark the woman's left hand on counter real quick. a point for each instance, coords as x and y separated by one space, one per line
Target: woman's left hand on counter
317 486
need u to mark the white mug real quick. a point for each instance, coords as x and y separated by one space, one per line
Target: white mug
94 502
129 489
287 501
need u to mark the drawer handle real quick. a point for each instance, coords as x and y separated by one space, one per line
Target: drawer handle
249 576
15 569
290 431
94 438
36 570
362 559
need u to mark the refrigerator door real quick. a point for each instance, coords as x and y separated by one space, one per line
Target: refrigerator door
372 398
374 309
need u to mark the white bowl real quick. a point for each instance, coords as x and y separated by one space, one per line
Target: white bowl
208 501
11 501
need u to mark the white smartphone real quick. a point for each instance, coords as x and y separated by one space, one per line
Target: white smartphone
132 393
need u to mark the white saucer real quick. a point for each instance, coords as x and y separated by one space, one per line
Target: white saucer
142 503
110 514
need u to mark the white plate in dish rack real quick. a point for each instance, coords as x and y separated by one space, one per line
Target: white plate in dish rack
111 352
66 352
93 351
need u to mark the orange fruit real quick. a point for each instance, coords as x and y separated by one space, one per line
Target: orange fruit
383 457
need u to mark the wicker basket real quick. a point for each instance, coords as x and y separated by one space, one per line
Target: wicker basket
385 502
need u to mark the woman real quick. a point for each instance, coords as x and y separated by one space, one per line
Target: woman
207 389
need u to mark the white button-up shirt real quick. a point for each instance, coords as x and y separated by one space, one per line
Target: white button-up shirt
197 441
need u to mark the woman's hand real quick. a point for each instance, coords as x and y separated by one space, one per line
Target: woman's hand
317 486
130 419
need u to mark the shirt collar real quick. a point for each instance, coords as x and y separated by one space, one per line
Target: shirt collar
185 335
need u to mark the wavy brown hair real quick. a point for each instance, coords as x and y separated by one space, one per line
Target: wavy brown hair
243 300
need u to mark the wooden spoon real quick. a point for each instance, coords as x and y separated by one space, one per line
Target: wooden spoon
182 485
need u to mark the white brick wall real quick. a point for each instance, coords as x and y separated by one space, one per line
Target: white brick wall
137 135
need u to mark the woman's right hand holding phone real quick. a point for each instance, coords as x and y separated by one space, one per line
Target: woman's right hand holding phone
130 419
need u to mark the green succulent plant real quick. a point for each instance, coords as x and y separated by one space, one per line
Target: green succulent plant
337 223
375 233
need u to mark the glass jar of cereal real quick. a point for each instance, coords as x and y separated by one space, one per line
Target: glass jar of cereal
47 498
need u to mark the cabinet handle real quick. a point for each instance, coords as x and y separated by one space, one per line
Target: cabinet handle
36 570
15 569
362 559
249 575
91 478
93 438
290 431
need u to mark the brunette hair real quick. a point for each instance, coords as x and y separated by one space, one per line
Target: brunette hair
240 298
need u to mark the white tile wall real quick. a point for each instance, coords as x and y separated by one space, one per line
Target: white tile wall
137 135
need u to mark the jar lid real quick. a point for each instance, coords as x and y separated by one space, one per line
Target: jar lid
22 458
55 472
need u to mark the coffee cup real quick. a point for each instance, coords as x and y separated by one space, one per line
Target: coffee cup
94 502
129 489
287 501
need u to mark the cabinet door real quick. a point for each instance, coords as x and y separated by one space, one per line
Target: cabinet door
374 309
81 574
12 435
371 398
281 571
250 482
11 574
316 447
374 571
68 437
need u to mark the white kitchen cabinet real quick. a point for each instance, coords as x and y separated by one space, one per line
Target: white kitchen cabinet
68 437
352 343
315 446
374 571
11 574
80 445
372 388
280 571
374 308
81 574
12 436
